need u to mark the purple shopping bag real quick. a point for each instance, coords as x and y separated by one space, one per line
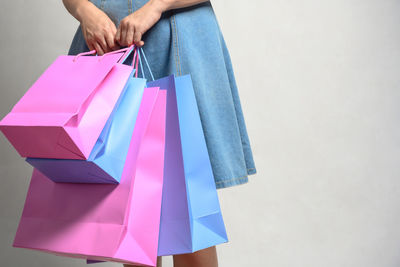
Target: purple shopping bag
191 217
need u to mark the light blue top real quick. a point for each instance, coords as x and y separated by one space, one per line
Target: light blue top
189 41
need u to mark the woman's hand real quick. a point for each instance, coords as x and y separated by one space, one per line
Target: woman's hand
100 32
133 26
98 29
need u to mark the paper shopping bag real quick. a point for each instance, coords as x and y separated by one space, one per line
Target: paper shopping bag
106 161
191 217
65 110
104 222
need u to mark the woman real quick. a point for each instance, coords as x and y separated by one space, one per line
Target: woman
180 37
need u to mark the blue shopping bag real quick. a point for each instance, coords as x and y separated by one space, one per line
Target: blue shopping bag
191 217
106 161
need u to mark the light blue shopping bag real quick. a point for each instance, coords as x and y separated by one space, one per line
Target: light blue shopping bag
191 217
106 161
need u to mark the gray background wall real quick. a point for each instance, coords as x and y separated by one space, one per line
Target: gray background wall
319 85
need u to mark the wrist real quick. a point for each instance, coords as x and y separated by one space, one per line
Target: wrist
81 9
161 5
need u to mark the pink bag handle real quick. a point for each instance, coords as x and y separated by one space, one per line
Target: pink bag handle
136 58
127 51
84 54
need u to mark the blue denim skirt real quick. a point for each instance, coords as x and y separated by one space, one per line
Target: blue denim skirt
189 41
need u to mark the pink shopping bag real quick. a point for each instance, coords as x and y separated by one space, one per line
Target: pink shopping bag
65 110
104 222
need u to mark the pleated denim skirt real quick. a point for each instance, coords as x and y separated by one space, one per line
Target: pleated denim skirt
189 41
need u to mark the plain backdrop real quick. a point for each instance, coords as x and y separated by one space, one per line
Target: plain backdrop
319 84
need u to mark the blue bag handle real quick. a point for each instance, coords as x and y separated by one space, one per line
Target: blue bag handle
141 50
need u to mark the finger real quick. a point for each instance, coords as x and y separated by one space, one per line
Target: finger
98 48
118 35
116 47
88 41
137 37
129 36
123 42
90 46
102 42
140 43
111 37
110 41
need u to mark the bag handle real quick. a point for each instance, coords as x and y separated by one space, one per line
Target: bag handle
136 58
84 54
127 51
147 63
126 54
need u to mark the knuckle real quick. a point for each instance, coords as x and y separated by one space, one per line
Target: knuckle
126 23
138 27
97 36
104 29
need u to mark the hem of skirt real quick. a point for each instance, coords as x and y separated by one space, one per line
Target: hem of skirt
236 181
